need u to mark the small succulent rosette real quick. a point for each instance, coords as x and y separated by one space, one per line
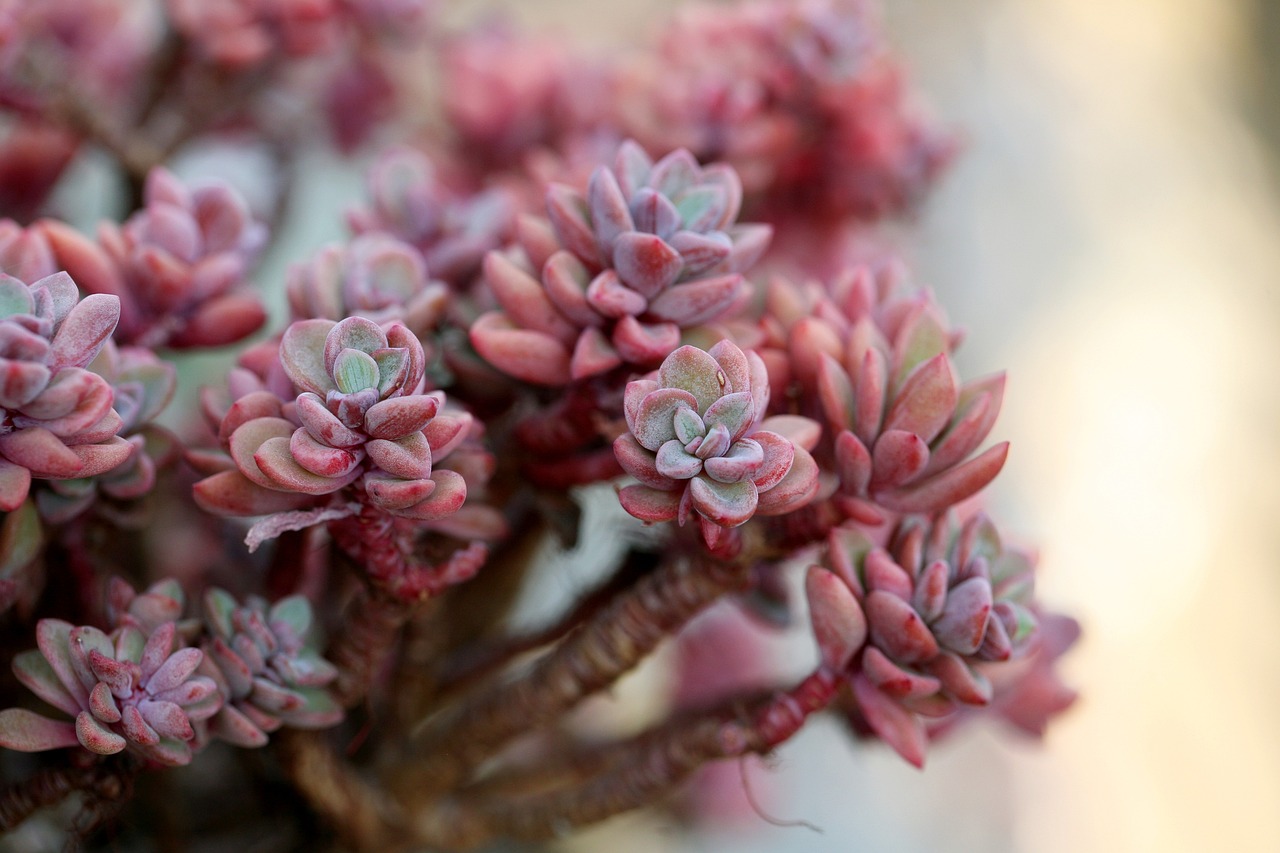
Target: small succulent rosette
265 665
452 230
877 367
178 265
651 249
142 386
375 276
56 416
698 446
918 627
132 689
360 419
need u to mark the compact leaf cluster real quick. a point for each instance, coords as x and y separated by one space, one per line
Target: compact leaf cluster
655 284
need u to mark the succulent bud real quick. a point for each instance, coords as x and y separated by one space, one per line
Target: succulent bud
264 665
56 417
698 445
130 689
651 249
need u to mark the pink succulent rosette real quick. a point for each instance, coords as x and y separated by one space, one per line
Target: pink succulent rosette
266 666
374 276
453 230
699 448
56 417
178 265
652 249
877 366
134 689
360 418
920 628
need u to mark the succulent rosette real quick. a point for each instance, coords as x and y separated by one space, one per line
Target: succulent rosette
131 689
917 626
698 446
142 386
650 250
360 418
56 417
178 265
269 672
452 230
375 276
877 366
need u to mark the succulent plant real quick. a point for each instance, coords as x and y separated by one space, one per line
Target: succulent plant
242 33
375 276
698 446
917 622
877 366
142 386
650 250
264 665
56 417
178 265
451 229
360 418
130 689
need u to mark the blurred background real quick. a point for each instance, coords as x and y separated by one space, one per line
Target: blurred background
1111 236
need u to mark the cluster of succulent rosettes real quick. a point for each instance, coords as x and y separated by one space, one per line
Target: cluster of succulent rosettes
877 367
651 250
801 96
374 276
178 265
698 446
56 417
135 689
360 416
914 625
265 667
451 229
141 385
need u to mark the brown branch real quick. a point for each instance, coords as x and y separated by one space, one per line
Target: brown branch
590 659
357 811
105 781
629 774
370 630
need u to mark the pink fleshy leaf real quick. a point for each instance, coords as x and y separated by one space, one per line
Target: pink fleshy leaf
42 452
699 301
569 217
897 457
302 354
648 504
892 679
393 493
609 297
15 483
231 493
609 214
447 432
400 416
447 497
801 431
283 472
743 461
98 459
797 488
838 623
779 454
926 401
527 355
639 462
593 354
880 572
655 417
248 438
726 504
324 424
237 729
898 629
959 679
83 259
964 618
950 487
320 459
525 300
644 343
222 321
565 279
895 725
646 263
408 458
84 331
95 737
35 673
25 731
